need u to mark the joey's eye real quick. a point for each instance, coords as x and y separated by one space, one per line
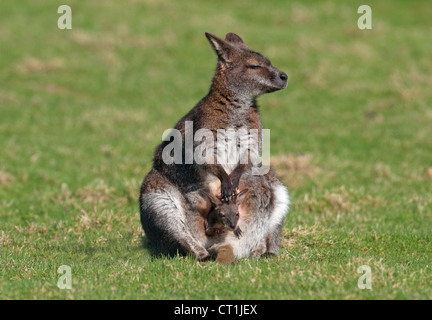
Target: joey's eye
254 66
237 214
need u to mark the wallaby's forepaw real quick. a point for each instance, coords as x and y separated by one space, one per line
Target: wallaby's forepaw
235 180
225 254
228 192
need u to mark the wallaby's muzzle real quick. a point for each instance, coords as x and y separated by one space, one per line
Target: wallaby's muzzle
281 79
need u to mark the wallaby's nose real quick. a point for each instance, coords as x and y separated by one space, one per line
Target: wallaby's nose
283 76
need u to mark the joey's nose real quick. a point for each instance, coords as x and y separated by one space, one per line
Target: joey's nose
283 76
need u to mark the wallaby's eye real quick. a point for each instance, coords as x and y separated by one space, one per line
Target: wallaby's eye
254 67
237 214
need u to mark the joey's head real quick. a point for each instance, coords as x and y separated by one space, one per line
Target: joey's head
225 215
242 71
228 215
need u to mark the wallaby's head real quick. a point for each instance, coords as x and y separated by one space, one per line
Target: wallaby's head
225 214
244 72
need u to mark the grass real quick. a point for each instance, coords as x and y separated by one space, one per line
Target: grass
82 110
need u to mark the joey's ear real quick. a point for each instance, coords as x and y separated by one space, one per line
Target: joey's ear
235 39
241 196
222 48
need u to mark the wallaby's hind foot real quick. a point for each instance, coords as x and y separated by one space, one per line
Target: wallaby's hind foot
225 253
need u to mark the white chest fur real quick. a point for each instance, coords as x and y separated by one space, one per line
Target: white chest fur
237 146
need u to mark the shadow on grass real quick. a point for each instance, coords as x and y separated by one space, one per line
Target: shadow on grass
174 254
145 244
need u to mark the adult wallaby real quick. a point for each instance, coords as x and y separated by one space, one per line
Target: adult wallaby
167 215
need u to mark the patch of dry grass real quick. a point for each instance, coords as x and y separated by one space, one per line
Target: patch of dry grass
96 192
35 65
294 169
6 179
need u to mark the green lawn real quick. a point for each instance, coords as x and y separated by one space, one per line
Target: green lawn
82 110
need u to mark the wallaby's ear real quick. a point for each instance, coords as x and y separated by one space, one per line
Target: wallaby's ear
235 39
222 48
240 196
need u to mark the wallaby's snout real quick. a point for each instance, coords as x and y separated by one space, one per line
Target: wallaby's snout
281 79
283 76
